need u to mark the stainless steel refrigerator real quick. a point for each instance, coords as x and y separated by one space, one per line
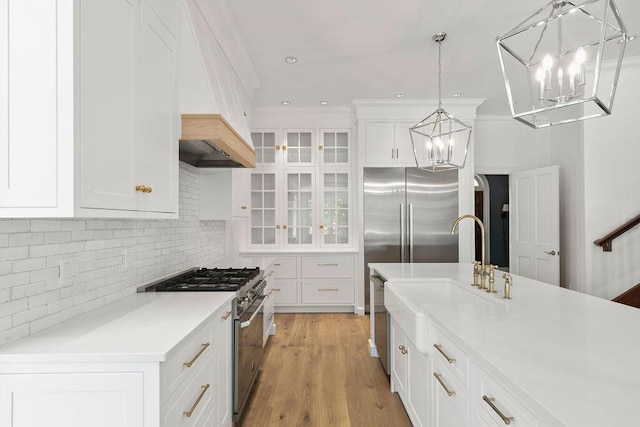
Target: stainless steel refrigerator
408 214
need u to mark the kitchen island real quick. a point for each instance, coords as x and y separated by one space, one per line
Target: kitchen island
555 357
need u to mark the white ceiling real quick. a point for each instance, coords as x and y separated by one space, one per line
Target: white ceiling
373 49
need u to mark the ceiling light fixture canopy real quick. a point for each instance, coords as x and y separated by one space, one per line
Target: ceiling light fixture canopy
552 63
440 141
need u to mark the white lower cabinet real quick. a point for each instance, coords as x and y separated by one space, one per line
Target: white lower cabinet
193 387
313 282
448 388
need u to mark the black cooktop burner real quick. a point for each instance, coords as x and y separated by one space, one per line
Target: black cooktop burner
209 279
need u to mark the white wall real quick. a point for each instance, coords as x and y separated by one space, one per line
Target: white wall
33 293
612 188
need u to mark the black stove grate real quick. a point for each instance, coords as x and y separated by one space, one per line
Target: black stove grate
209 279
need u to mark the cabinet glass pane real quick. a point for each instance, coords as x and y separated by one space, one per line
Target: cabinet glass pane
299 147
263 203
336 147
299 209
265 146
335 205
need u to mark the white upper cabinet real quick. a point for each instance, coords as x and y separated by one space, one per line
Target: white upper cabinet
298 147
100 134
225 193
388 144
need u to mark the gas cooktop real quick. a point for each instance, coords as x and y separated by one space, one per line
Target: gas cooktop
209 279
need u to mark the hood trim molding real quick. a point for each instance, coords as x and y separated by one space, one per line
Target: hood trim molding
217 132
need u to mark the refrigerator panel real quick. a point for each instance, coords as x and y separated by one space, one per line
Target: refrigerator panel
432 200
384 193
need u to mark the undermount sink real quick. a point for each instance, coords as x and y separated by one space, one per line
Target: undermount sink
403 299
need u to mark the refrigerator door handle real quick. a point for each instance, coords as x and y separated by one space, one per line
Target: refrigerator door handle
403 234
410 231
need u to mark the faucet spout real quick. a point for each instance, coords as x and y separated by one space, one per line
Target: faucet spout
461 217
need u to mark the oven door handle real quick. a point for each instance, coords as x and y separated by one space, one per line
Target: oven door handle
255 313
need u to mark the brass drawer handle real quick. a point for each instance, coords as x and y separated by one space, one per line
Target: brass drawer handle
226 316
490 400
403 349
190 411
147 189
277 264
276 289
192 361
328 289
320 147
328 265
140 188
277 147
446 389
243 207
446 356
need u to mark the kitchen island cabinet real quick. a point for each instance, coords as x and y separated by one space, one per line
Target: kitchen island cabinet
152 359
547 357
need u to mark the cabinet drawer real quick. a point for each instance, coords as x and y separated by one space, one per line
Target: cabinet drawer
450 355
327 292
285 268
285 292
328 267
503 404
198 397
174 370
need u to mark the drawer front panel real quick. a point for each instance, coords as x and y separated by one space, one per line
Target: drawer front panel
198 398
317 267
328 292
504 405
174 370
285 267
285 292
450 355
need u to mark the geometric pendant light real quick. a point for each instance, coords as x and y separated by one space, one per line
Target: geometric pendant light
552 63
440 141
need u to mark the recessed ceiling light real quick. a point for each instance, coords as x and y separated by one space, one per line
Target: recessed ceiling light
457 95
399 95
290 59
324 102
286 103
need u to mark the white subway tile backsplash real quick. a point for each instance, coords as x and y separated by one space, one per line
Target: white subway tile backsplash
104 260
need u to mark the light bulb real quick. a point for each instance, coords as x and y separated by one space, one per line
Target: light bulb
540 75
547 62
573 71
429 150
581 56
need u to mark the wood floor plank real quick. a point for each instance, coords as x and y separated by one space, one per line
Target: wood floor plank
317 372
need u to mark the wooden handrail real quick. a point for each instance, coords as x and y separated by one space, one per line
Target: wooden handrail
630 297
605 241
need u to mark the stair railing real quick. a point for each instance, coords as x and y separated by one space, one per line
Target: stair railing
605 241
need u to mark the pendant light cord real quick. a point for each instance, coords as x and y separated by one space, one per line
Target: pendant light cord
439 75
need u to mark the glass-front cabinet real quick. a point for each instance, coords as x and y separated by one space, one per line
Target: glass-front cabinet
300 199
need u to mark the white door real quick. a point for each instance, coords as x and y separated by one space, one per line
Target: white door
534 205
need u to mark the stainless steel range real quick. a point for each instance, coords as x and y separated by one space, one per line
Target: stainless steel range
248 285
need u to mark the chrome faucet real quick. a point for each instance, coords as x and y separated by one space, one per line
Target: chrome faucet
483 266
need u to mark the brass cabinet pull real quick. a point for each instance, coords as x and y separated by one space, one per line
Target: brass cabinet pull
490 400
148 189
192 361
446 389
322 227
284 227
403 349
446 356
226 316
277 147
328 265
320 147
277 264
284 147
276 289
278 228
193 408
243 207
328 289
140 188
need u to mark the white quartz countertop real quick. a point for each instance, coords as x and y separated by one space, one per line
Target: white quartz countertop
140 328
571 356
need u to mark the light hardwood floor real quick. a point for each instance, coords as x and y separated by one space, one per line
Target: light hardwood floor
317 371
